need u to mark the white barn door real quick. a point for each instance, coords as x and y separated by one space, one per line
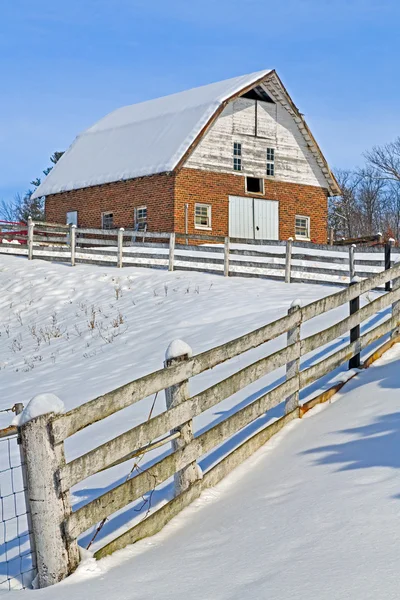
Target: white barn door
253 218
241 217
266 219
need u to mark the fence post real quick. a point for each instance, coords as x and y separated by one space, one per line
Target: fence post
72 240
226 257
120 246
31 226
352 267
171 252
293 367
56 557
388 248
354 305
395 311
331 236
18 408
288 259
178 352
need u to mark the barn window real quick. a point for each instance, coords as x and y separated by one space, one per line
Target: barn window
254 185
237 156
107 220
302 227
270 162
141 215
202 216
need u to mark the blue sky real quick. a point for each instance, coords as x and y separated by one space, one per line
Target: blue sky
63 65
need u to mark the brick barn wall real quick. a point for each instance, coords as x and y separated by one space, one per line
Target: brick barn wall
156 192
193 185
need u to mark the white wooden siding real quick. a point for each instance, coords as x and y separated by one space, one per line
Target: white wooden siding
276 128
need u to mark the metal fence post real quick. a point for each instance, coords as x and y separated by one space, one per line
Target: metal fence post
31 226
352 268
288 259
226 257
175 395
354 306
73 244
120 246
388 248
293 367
171 252
56 557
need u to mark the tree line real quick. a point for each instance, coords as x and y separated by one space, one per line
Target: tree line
23 205
370 200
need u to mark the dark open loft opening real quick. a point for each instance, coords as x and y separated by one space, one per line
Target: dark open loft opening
258 93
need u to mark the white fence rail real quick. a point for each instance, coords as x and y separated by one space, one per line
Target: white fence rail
57 527
291 261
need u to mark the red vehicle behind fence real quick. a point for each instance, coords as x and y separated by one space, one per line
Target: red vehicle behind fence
13 231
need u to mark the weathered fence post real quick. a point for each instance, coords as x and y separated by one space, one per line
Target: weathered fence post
72 240
120 246
354 306
31 226
56 558
178 352
352 265
388 248
171 252
226 257
288 259
395 311
331 236
293 367
18 408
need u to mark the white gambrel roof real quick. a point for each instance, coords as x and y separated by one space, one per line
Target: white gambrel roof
141 139
155 136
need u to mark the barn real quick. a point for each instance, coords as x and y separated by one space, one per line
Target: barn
234 158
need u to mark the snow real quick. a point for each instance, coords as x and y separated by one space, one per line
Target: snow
178 348
296 303
141 139
42 404
312 515
80 332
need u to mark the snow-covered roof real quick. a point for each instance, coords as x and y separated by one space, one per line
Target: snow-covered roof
141 139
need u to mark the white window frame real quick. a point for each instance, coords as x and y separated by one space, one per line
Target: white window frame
140 219
308 224
261 193
270 162
237 156
208 207
103 214
74 221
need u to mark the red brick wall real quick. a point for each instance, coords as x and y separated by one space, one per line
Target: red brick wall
188 186
156 192
192 185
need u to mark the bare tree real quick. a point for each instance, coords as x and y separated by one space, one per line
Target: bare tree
385 160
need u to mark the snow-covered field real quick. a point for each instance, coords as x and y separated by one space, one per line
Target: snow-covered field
79 332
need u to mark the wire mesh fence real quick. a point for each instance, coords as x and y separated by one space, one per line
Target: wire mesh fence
17 556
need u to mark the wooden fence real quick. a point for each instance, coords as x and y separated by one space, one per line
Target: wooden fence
50 477
291 261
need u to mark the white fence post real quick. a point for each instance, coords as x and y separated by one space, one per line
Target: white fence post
171 252
352 268
120 246
288 259
56 558
226 257
175 395
73 244
293 367
31 226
